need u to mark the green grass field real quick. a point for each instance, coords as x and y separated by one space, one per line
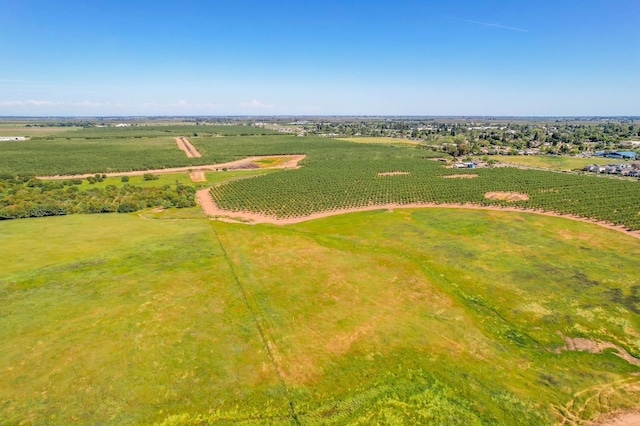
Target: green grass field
551 162
412 316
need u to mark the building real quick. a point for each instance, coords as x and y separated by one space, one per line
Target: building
621 155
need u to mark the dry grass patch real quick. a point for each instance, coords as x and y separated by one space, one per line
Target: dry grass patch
506 196
392 173
464 176
197 176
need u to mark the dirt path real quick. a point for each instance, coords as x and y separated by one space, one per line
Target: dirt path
253 218
243 164
188 148
206 202
631 418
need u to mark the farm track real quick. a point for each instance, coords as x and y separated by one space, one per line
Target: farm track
262 330
599 397
187 147
211 209
247 163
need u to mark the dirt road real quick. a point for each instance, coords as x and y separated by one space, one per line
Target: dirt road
249 217
188 148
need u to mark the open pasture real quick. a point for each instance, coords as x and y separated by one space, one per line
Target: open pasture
22 130
376 317
551 162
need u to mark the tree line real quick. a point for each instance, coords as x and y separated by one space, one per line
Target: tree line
22 197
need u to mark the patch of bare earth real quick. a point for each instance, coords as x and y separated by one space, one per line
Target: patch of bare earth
465 176
206 202
595 347
392 173
188 148
197 176
506 196
629 418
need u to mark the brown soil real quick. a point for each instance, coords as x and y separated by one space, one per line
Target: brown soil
629 418
467 176
197 176
392 173
595 346
206 202
188 148
506 196
246 163
253 218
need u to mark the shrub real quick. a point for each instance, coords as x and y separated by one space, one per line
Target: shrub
150 176
127 207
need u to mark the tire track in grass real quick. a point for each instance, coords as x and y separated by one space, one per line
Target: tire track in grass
256 320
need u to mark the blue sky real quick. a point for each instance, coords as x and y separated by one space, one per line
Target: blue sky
241 57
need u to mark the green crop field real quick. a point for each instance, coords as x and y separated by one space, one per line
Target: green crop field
411 316
61 155
435 315
139 131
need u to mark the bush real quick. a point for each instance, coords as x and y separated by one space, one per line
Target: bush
149 176
127 207
124 179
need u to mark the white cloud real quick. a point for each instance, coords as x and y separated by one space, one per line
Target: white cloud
30 102
88 104
187 105
256 104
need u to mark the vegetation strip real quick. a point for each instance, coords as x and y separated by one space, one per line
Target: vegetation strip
245 163
210 208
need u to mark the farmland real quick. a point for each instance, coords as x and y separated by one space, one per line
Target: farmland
440 315
551 162
336 175
161 320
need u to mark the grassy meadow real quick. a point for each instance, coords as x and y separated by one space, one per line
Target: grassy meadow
381 140
551 162
412 316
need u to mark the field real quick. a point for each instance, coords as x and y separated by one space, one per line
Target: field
402 316
13 130
381 140
119 319
551 162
